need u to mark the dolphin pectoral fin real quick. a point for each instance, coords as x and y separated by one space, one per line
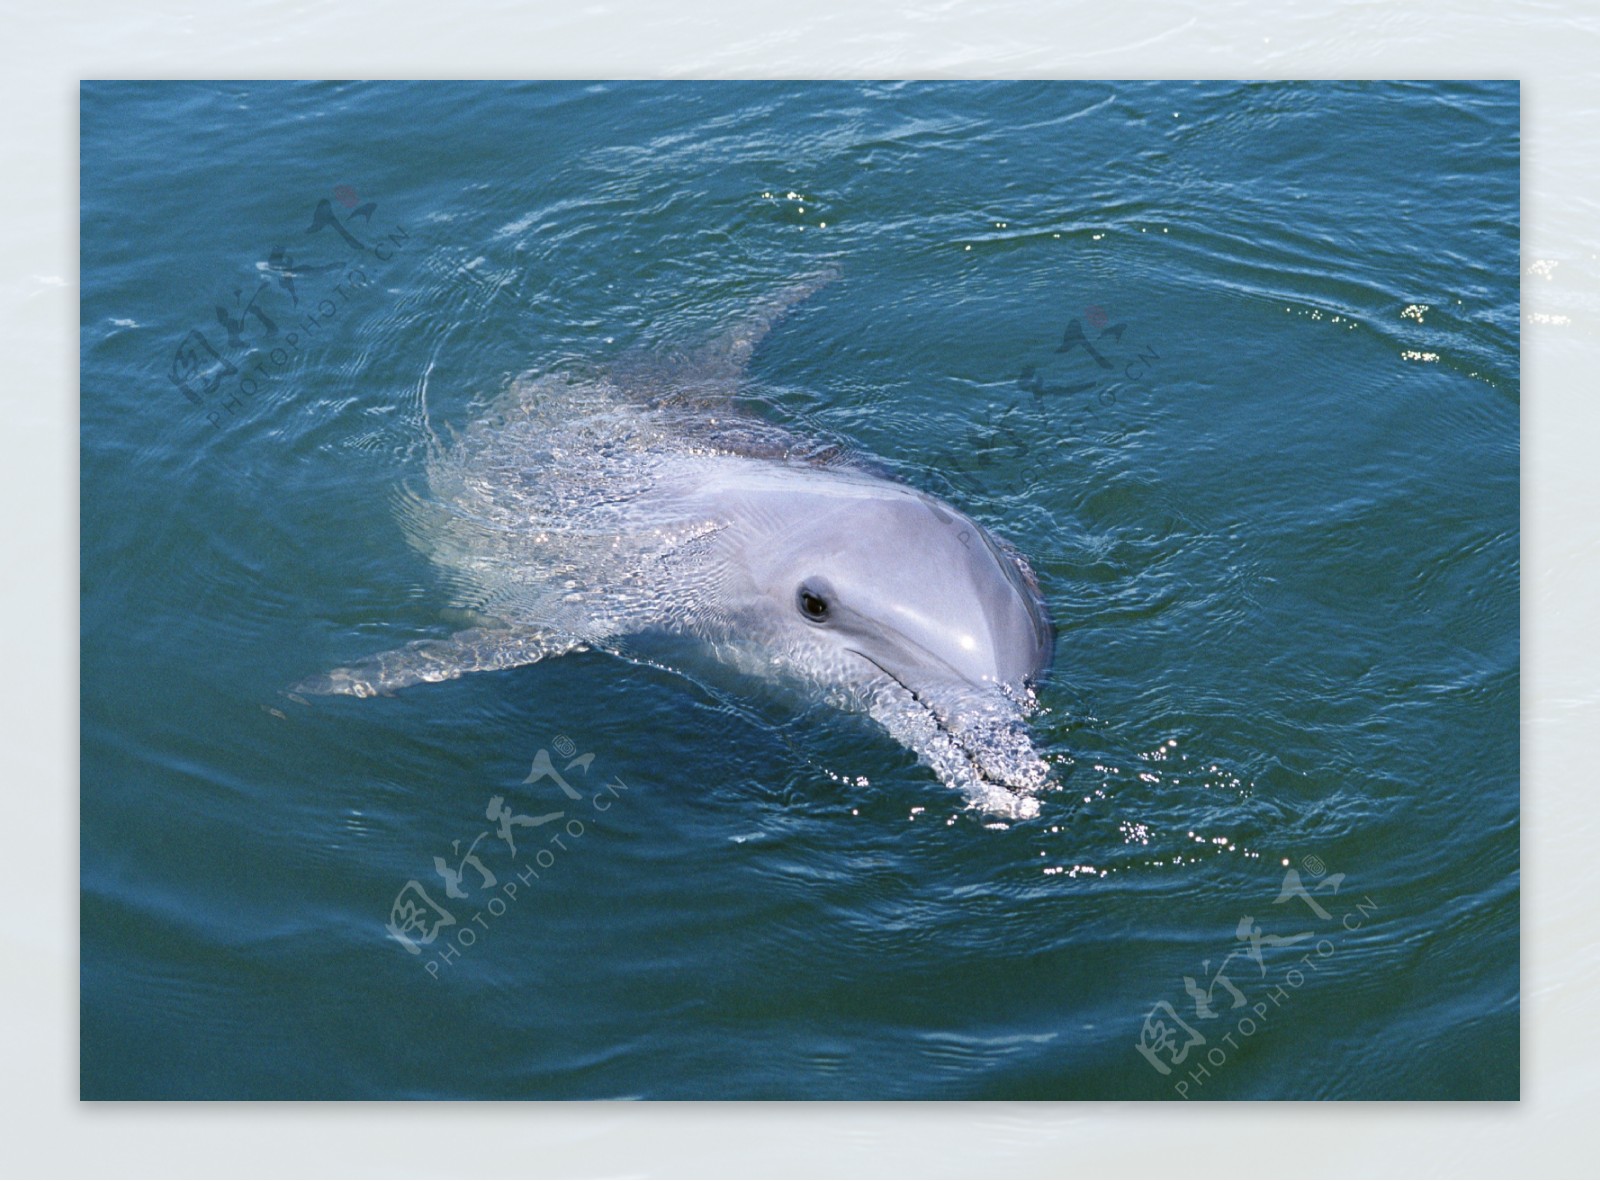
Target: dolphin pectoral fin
470 651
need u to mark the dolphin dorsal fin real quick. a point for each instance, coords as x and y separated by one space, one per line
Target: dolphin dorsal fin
728 355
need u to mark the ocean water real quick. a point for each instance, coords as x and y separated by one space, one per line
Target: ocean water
1235 365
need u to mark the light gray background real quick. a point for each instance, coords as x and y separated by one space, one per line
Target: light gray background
1553 47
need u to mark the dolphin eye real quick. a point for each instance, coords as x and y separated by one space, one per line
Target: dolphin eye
812 605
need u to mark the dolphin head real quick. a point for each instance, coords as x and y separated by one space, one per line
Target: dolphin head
918 590
940 629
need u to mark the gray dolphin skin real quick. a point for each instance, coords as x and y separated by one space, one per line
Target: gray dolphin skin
582 513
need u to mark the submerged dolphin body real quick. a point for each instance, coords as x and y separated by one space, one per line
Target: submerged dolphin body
583 513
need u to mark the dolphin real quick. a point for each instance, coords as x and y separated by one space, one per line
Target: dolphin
657 499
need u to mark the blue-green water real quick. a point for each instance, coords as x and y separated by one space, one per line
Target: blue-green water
1235 365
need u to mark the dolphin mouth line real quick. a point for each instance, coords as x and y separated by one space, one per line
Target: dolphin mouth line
933 714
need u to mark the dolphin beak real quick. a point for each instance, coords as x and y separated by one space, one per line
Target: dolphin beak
974 737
